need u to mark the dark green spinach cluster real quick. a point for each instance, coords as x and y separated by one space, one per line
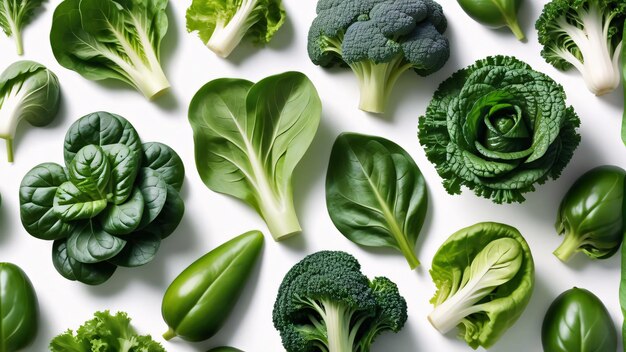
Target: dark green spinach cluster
112 203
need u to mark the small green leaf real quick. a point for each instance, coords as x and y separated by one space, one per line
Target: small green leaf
71 269
90 171
91 244
124 168
37 192
70 203
154 192
164 160
170 216
124 218
140 249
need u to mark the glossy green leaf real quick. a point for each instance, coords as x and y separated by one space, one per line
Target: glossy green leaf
102 39
154 192
101 129
140 249
170 216
592 214
623 55
189 307
28 91
70 203
124 218
250 137
495 13
166 162
91 244
376 194
470 264
577 321
19 310
90 171
37 192
124 168
71 269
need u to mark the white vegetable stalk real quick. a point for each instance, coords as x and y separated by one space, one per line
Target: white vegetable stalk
495 265
10 117
227 36
278 211
600 70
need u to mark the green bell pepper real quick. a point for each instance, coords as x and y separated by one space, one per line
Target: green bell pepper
577 321
224 349
199 300
591 214
19 311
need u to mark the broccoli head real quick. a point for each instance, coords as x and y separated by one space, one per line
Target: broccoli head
379 40
326 304
586 35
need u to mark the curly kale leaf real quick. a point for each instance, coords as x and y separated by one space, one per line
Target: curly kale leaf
499 128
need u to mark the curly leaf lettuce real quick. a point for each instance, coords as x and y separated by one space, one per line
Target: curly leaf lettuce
498 127
105 333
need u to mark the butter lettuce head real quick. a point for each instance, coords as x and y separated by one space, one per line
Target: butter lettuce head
499 128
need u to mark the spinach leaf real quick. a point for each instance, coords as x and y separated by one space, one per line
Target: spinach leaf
376 194
124 169
37 192
166 162
91 244
154 192
90 171
124 218
71 269
101 129
250 137
170 216
70 203
139 250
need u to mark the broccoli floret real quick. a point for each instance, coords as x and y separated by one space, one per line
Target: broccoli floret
326 304
587 35
379 40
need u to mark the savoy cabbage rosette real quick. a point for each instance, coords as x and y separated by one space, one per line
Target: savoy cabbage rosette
498 127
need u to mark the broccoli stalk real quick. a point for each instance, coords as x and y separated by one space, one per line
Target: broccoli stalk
586 35
376 80
325 303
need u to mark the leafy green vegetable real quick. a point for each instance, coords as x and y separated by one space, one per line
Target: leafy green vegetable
376 194
105 333
120 39
577 321
499 127
495 13
325 303
14 15
624 80
586 35
484 276
28 91
591 214
250 137
19 310
200 299
222 24
112 204
379 41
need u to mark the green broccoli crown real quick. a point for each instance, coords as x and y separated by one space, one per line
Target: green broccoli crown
347 32
330 276
560 17
332 280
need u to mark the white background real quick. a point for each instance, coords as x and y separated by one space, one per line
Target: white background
211 218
